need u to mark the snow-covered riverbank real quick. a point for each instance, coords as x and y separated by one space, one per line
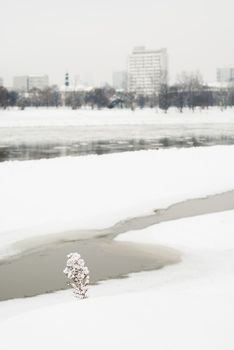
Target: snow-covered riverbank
53 196
188 305
65 126
67 117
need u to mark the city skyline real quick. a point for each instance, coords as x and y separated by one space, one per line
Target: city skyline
119 79
95 39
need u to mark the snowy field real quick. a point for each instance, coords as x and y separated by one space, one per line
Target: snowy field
80 117
185 306
49 197
188 305
36 126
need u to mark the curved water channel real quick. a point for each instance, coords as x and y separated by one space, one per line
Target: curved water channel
38 269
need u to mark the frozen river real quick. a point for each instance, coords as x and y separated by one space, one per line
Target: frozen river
39 270
50 150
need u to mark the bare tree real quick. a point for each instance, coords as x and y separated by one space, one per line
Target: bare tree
189 86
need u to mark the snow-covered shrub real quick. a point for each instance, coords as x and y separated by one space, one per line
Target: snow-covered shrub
78 274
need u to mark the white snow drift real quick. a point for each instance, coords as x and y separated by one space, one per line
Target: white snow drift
52 196
185 306
38 126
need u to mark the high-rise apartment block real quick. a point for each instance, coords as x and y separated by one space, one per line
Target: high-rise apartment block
27 83
147 70
225 75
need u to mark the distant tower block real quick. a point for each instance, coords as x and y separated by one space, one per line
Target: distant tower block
67 80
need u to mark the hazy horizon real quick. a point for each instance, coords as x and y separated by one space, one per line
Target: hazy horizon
92 39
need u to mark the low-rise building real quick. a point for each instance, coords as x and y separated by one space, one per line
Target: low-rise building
27 83
20 83
225 75
119 80
38 82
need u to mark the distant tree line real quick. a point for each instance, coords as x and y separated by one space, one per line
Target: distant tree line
189 91
7 98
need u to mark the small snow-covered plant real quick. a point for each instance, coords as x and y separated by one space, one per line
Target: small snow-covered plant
78 274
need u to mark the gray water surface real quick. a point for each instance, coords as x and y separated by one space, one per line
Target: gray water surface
38 269
27 151
42 271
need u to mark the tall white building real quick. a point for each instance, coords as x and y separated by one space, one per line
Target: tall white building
147 70
225 75
119 80
27 83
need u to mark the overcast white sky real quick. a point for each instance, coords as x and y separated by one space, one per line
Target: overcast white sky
94 37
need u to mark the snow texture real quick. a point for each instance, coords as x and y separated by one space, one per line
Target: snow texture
49 197
189 305
37 126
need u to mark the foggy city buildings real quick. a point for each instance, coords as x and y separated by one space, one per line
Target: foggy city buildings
27 83
147 70
20 83
1 81
119 80
38 82
225 75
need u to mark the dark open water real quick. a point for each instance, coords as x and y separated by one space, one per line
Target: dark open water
53 150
